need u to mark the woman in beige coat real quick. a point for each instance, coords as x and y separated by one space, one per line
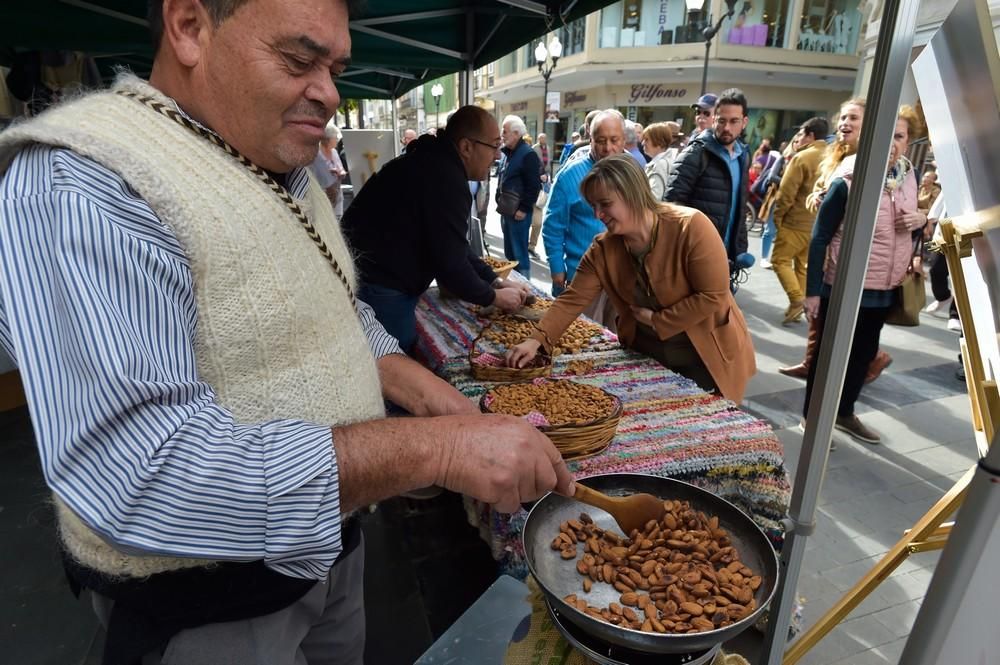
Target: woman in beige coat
664 269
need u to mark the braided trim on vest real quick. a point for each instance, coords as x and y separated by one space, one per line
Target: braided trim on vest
263 175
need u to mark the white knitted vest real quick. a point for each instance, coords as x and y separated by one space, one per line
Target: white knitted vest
277 336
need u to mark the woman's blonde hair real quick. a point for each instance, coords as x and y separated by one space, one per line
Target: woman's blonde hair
622 175
838 150
914 123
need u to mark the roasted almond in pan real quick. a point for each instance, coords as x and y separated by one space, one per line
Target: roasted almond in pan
681 574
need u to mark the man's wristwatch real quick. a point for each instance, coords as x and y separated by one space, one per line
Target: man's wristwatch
497 283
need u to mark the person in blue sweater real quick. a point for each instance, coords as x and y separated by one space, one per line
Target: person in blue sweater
520 175
570 225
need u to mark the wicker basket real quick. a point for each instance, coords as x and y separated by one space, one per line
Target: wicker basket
503 269
541 366
503 272
580 440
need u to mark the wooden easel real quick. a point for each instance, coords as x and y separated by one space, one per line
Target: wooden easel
931 531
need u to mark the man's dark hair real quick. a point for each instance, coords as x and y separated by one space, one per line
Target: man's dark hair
219 11
818 127
467 122
734 97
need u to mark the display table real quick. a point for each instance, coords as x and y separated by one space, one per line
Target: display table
669 427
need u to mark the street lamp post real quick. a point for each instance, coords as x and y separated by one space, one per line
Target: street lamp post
554 51
436 91
709 33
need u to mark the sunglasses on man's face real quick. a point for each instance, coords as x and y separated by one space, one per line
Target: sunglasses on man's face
705 114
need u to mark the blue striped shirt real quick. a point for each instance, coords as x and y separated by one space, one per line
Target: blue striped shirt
569 225
97 308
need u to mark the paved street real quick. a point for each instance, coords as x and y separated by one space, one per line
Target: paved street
871 494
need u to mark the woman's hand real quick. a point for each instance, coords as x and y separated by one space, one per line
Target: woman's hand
522 354
811 305
911 221
643 315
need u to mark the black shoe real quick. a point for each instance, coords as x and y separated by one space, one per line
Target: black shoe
534 255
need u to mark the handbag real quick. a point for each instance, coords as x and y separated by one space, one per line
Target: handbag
910 297
507 202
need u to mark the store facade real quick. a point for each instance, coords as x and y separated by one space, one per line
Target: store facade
775 111
793 59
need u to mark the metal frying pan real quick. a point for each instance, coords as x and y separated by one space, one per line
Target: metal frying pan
558 578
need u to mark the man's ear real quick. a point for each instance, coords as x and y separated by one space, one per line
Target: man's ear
186 25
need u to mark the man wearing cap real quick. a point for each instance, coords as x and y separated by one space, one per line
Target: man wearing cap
710 174
704 109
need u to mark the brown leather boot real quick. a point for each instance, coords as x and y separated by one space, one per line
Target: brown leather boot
801 371
878 363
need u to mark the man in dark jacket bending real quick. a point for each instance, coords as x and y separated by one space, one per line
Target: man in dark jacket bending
408 225
710 174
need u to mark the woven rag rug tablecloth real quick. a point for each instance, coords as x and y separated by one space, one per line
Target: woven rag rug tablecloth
669 427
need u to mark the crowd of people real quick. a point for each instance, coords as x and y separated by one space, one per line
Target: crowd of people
209 341
712 172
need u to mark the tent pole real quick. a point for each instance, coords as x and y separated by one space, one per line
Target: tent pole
892 57
465 93
395 124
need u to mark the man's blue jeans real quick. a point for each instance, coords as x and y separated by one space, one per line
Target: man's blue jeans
395 310
515 242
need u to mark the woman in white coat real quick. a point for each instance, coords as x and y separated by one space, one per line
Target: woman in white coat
656 140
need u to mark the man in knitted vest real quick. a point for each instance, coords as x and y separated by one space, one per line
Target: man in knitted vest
206 391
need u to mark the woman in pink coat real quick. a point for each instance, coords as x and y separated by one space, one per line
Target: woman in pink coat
891 254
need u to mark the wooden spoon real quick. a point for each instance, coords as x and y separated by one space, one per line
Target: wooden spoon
631 512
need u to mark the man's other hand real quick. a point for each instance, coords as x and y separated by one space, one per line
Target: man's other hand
509 299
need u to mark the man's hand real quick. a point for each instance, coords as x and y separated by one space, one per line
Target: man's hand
415 388
811 305
520 286
643 315
559 279
509 299
520 355
519 215
501 460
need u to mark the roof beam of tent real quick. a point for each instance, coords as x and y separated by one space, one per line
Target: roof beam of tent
528 5
405 18
362 86
355 72
97 9
489 36
392 72
433 48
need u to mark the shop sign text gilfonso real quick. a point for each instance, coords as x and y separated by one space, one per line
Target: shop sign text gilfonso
654 92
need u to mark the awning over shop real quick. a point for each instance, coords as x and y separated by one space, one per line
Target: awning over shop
397 44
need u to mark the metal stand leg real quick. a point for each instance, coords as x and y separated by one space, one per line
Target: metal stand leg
929 529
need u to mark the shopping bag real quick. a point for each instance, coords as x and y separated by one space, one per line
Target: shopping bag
910 299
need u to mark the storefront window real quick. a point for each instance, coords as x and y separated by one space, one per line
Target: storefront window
830 26
759 23
573 36
644 23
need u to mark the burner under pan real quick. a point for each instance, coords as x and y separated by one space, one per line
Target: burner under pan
610 654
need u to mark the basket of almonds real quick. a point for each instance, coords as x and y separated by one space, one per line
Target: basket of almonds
579 419
501 267
490 365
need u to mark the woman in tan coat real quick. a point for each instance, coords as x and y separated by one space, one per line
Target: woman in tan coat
664 269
